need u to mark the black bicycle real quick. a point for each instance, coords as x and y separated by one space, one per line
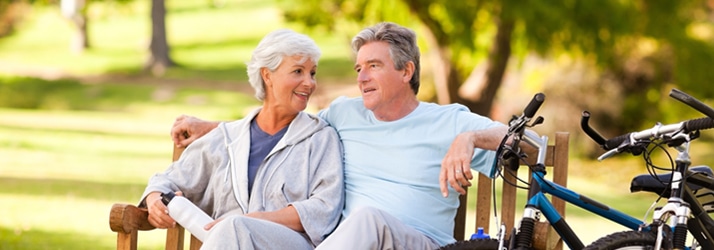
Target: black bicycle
688 191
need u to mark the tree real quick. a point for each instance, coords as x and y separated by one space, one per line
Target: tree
604 32
159 57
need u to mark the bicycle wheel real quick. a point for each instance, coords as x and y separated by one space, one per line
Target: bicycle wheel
479 244
627 240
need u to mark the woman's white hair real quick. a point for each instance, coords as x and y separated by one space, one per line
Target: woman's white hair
271 51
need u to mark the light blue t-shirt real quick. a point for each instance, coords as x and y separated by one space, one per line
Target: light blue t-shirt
394 166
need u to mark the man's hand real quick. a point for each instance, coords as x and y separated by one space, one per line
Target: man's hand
187 129
456 165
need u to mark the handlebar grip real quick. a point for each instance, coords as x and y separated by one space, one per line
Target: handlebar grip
585 126
692 102
613 143
534 105
698 124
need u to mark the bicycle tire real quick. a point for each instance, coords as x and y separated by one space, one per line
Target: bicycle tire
477 244
627 240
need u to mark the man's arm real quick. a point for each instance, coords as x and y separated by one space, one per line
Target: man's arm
187 129
456 165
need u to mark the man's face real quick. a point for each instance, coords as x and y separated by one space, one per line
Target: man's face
380 83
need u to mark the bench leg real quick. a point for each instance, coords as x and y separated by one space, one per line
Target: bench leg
127 241
174 238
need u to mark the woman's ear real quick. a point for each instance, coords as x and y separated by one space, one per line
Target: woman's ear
265 74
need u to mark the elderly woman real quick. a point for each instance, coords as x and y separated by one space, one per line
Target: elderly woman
274 179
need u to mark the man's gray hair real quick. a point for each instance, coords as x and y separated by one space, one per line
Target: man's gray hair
402 46
270 53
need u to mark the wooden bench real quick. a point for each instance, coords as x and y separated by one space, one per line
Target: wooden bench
544 237
127 220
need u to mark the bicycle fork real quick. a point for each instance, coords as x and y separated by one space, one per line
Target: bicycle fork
676 209
679 211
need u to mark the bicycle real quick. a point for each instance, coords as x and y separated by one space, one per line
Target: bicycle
683 188
509 154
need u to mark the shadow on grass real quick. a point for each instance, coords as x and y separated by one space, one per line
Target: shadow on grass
38 239
35 93
46 187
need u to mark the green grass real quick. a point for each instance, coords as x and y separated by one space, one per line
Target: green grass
63 166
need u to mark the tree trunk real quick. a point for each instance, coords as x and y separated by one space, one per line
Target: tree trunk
159 58
481 101
76 12
447 78
80 42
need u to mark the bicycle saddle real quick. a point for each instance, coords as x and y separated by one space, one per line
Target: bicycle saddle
659 185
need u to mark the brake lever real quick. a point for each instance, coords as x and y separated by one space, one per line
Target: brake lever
609 154
627 143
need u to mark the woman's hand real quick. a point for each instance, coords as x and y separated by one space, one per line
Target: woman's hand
158 212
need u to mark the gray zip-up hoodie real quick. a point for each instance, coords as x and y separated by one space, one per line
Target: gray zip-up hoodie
304 169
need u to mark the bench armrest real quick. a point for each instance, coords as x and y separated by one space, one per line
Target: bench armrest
125 218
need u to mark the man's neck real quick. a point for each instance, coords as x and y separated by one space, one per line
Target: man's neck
396 110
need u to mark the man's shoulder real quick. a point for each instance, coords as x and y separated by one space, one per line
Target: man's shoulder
452 107
344 101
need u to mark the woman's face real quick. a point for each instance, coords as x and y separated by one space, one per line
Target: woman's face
289 87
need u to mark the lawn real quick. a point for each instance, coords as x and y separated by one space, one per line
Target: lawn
61 170
81 132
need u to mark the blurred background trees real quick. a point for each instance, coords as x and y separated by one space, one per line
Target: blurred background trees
617 59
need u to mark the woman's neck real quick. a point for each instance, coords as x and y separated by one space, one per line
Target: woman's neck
271 121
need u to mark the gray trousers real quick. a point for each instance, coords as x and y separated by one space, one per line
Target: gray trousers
372 229
241 232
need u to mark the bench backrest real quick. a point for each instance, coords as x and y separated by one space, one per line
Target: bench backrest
557 158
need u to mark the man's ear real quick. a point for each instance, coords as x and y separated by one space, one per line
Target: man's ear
409 71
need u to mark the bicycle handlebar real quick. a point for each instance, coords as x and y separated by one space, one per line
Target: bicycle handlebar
692 102
517 131
534 105
625 142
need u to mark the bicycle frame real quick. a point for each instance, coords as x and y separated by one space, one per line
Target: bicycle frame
701 225
539 204
682 206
